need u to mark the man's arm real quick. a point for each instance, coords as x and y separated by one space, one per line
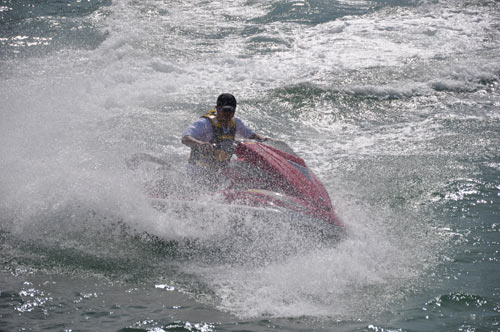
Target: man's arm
245 132
193 143
194 136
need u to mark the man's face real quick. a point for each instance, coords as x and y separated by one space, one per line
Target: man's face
225 114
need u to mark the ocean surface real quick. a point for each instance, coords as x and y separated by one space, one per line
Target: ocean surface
394 104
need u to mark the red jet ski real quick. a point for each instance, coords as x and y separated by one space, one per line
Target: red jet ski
264 175
270 174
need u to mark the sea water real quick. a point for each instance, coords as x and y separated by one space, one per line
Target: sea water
393 104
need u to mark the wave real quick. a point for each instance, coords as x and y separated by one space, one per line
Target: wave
31 28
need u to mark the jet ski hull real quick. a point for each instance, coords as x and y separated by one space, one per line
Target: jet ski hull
264 175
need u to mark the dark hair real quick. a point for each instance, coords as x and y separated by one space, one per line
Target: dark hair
226 99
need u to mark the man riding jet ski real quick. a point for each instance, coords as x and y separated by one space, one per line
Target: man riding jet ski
211 138
264 174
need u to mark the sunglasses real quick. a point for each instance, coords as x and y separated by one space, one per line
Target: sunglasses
227 109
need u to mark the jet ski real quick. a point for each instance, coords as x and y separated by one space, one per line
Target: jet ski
270 174
264 176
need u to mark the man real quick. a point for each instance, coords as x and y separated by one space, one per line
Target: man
211 138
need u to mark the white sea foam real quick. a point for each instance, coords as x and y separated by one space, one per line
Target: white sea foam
361 272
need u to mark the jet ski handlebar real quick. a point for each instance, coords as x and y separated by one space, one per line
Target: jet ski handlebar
230 146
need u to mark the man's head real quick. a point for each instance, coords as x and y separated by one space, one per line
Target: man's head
226 106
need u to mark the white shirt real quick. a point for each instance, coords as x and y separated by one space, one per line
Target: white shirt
202 130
